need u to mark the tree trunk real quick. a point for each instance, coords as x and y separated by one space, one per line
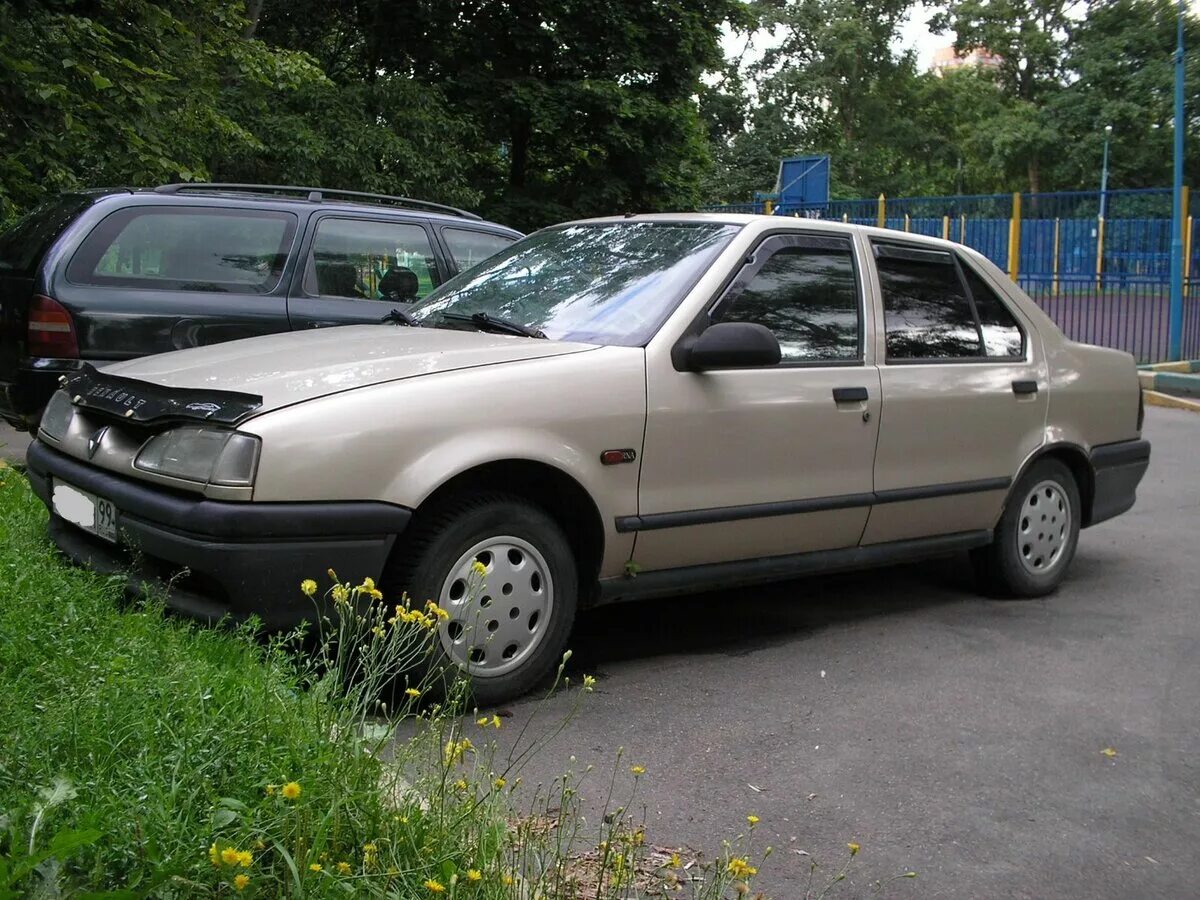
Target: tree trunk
519 157
1034 174
253 13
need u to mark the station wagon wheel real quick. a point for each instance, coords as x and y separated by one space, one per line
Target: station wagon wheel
1035 539
505 574
500 599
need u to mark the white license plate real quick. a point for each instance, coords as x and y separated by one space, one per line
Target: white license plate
91 513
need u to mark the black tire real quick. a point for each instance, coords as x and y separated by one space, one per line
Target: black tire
439 538
1000 570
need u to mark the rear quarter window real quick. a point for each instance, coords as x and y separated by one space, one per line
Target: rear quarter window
469 247
187 249
25 242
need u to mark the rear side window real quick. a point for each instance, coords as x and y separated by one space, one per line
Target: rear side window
808 297
361 259
927 313
24 243
187 249
1002 336
471 247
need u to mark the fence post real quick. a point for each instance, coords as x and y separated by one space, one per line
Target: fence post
962 229
1187 234
1099 253
1014 238
881 217
907 222
845 217
945 228
768 207
1056 246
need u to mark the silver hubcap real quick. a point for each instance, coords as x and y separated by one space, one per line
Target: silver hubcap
497 618
1044 528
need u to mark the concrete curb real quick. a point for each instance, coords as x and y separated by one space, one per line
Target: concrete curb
1155 398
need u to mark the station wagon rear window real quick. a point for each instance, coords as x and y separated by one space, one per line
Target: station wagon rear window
187 249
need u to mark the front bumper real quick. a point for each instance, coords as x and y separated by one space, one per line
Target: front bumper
239 559
1117 469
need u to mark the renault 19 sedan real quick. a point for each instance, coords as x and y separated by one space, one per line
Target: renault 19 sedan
606 410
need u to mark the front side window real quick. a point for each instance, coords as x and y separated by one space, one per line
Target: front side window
807 296
360 259
186 249
606 283
927 313
472 247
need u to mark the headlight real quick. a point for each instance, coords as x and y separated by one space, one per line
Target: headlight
57 417
205 455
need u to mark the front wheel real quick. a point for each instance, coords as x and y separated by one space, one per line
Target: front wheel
1036 537
503 571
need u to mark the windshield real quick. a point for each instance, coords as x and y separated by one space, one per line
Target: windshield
610 283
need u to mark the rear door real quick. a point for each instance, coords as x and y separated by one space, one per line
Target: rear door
356 269
965 394
150 278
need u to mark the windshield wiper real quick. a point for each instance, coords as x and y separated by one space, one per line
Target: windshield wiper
486 322
401 317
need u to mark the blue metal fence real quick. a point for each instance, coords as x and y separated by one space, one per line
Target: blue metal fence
1103 281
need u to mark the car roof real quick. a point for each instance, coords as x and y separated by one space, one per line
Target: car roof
766 223
267 200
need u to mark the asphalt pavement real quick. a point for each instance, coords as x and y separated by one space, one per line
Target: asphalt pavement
12 443
957 737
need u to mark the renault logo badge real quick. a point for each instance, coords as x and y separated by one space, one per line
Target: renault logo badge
94 441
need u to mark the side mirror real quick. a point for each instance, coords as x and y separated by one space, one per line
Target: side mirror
734 345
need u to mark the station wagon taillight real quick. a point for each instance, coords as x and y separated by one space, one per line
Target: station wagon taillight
51 330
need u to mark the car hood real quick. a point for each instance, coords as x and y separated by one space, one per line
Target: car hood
292 367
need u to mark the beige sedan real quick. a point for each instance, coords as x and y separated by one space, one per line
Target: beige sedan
608 410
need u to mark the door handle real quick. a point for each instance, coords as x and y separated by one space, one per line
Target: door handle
849 394
1024 387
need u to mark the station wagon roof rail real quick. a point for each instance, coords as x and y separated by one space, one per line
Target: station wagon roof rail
313 195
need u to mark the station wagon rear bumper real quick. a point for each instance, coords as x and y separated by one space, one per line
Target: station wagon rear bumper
241 559
1117 470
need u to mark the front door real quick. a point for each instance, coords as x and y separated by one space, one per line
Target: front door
752 463
356 270
964 395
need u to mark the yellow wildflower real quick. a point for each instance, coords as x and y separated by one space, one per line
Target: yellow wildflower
315 867
435 887
344 868
752 819
370 848
588 683
460 785
245 858
271 789
499 784
230 856
638 770
214 855
368 587
853 848
291 790
413 692
482 723
479 568
341 594
378 631
739 867
474 875
241 881
506 878
308 587
676 862
1109 752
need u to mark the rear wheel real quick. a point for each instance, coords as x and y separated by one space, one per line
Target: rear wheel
1036 537
504 573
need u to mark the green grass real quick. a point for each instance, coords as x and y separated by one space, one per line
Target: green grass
169 734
